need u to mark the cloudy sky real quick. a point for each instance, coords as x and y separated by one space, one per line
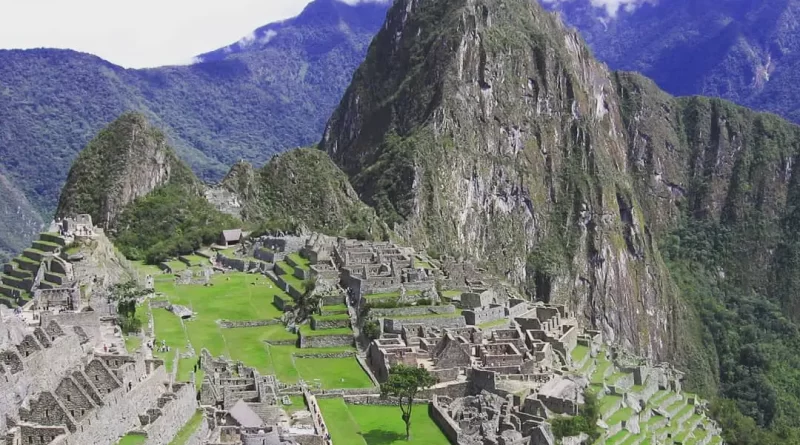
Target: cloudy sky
135 34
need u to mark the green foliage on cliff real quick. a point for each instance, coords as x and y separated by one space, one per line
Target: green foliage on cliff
168 222
303 187
128 154
753 343
584 422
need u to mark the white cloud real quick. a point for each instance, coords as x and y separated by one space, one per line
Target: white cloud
612 7
144 33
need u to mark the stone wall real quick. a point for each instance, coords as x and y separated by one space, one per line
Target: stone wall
266 255
228 324
440 417
484 314
244 265
325 341
174 416
199 437
88 321
395 326
412 311
121 411
316 323
41 371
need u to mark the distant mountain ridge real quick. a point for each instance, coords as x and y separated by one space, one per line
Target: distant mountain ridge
242 103
742 50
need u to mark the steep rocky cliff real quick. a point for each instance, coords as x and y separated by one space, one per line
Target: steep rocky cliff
127 160
486 128
302 189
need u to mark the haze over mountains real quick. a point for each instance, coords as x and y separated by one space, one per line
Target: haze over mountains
742 50
244 102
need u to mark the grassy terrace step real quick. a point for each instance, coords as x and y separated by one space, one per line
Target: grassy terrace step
299 261
620 415
10 281
456 314
34 254
307 331
19 273
608 402
53 238
602 365
46 246
617 438
287 273
676 406
331 317
334 310
579 353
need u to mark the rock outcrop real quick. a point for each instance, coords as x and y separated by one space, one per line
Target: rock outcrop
127 160
487 129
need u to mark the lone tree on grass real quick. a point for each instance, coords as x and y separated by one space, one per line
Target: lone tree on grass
309 303
404 383
126 295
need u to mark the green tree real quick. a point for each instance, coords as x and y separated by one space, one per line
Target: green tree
126 295
584 422
309 302
372 330
404 383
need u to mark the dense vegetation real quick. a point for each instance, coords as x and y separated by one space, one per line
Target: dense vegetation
126 159
750 340
584 422
169 222
303 187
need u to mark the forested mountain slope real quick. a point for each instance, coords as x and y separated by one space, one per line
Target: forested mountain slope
487 129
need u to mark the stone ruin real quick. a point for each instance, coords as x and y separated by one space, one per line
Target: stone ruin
58 387
244 407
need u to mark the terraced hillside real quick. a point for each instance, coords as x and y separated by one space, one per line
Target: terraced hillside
637 409
37 267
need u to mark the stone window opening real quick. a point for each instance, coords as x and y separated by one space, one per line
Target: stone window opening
47 414
69 398
72 412
41 439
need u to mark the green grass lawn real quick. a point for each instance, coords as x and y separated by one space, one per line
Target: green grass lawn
298 404
579 353
620 415
235 297
608 402
197 260
187 430
383 295
132 439
378 425
331 317
168 328
177 266
333 372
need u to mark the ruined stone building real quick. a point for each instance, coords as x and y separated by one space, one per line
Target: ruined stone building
56 389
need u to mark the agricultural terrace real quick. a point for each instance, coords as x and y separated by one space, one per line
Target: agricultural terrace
236 297
378 425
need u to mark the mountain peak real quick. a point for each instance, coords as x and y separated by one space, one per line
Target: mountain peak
127 160
317 24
